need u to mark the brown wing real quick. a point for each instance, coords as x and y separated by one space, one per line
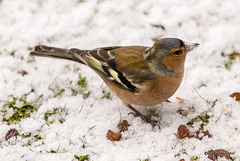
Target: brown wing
105 61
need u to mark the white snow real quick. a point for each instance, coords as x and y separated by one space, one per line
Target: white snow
89 24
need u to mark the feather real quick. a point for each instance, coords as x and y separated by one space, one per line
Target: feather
103 62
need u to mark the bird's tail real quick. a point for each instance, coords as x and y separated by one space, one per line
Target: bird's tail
47 51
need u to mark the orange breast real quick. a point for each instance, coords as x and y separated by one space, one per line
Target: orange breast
152 93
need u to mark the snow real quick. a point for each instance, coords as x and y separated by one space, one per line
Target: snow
90 24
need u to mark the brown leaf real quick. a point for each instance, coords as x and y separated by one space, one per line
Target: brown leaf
22 72
114 136
182 160
211 155
183 132
214 154
180 100
236 95
123 126
11 133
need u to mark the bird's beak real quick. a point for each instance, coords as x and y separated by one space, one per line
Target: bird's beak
190 46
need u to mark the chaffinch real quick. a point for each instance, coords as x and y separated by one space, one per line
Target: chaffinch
138 75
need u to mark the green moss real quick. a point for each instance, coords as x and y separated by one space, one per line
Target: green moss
13 53
106 95
181 152
148 159
19 108
231 59
194 158
57 114
204 119
82 87
82 83
82 158
31 138
182 112
59 93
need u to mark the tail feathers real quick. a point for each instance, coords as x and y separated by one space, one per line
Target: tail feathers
47 51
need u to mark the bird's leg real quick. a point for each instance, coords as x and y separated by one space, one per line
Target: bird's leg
136 113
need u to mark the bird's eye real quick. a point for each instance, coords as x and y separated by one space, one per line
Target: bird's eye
177 52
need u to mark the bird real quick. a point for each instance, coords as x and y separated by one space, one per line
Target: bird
137 75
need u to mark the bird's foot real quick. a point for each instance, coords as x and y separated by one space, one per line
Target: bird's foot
146 119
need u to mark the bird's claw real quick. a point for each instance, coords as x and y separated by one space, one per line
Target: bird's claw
133 113
153 122
136 113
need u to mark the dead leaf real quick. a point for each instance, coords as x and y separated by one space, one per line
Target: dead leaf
123 126
180 100
23 72
236 95
114 136
183 132
11 133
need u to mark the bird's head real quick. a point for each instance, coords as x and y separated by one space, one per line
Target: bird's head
167 56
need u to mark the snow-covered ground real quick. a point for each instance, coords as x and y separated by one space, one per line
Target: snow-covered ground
66 125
